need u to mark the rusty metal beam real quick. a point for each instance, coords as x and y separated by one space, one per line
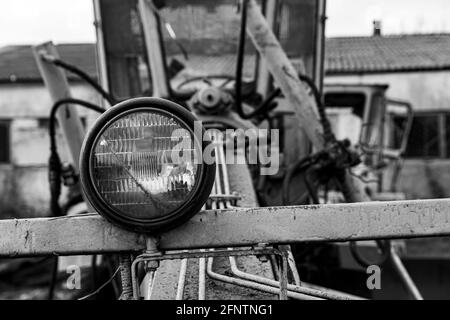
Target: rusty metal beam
56 81
153 42
285 75
91 234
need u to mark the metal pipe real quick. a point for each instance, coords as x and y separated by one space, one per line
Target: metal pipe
152 260
227 190
316 287
220 161
202 261
253 285
181 279
220 155
293 266
404 275
148 282
325 294
222 168
153 45
202 278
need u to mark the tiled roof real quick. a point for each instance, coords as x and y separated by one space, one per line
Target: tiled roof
379 54
346 55
17 63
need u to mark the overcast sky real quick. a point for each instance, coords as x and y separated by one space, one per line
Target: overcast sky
34 21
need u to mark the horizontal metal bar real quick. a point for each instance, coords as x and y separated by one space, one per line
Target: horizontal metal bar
91 234
69 235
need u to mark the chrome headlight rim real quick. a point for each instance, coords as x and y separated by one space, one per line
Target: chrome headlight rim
205 174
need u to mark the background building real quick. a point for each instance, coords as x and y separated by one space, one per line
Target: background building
24 111
417 69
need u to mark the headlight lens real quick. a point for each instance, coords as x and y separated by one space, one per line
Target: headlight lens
138 164
142 165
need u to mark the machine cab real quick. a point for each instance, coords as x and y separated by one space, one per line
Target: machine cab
377 125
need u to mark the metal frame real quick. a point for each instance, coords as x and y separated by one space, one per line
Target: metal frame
152 260
91 234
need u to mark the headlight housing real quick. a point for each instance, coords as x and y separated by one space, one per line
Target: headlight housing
142 168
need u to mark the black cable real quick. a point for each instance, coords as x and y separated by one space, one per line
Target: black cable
53 279
54 179
383 245
102 286
329 138
265 105
312 193
327 131
54 163
301 165
83 75
54 169
56 106
94 270
340 174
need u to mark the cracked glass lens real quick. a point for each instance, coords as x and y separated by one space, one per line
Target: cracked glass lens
144 165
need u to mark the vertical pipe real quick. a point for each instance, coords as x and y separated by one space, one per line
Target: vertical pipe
153 43
293 266
181 279
202 278
283 277
404 275
263 80
100 45
148 284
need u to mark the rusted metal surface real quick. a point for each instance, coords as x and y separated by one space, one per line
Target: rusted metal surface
72 235
342 222
231 228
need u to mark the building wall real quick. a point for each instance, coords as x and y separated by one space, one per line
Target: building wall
427 91
23 182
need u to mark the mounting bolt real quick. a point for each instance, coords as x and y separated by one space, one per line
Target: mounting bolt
151 265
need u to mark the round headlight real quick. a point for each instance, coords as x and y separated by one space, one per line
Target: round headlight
142 168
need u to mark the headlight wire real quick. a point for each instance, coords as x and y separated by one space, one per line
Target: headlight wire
54 164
